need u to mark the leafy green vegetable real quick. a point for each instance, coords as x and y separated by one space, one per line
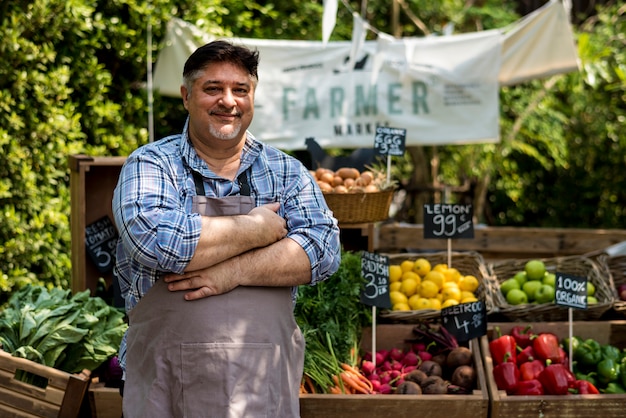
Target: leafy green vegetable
331 317
61 330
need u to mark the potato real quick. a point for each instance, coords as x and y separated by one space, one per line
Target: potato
337 181
327 177
325 187
320 171
349 183
348 173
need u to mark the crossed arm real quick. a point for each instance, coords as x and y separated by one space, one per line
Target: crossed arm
243 250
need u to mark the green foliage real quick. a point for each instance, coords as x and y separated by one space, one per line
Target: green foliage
331 317
56 329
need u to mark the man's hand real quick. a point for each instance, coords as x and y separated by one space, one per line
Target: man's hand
269 227
211 281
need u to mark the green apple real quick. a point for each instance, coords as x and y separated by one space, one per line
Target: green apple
549 278
591 289
520 276
516 297
591 300
545 294
531 287
535 269
508 285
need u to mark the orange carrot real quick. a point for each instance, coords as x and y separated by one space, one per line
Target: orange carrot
335 390
309 384
354 383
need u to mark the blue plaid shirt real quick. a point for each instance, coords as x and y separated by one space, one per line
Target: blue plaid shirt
159 233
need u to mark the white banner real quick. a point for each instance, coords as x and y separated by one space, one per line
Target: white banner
442 90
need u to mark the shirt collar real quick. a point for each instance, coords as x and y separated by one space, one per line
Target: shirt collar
251 150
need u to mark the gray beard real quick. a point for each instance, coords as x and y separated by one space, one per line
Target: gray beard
225 136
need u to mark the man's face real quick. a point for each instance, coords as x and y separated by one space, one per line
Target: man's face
221 103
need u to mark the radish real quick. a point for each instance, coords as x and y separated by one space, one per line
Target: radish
410 359
396 354
368 367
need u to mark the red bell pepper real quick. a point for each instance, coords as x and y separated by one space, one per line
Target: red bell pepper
526 355
585 387
522 335
546 347
531 387
531 369
555 379
503 349
506 376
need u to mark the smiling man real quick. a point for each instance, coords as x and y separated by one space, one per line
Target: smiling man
217 230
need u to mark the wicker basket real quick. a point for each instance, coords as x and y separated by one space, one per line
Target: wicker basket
615 268
467 263
532 312
352 208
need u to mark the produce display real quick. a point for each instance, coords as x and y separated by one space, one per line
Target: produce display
351 180
434 363
416 284
60 330
602 364
529 363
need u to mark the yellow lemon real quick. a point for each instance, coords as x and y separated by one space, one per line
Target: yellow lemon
436 277
421 266
409 287
448 303
400 307
469 299
397 297
411 275
451 293
465 294
417 303
441 267
395 272
452 275
428 289
406 265
469 283
450 284
395 286
435 304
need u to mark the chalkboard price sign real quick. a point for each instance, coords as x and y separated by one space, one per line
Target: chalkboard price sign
389 141
466 320
375 271
100 242
448 221
571 291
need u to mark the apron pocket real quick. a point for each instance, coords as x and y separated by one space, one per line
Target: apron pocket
230 380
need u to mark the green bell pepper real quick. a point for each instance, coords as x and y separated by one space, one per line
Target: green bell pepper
608 371
613 388
610 351
588 354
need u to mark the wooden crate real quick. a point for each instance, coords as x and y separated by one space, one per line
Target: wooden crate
92 180
399 406
502 242
105 402
62 397
548 406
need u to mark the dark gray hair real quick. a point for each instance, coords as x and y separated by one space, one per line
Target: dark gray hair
220 51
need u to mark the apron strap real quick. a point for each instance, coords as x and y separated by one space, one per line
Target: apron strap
242 179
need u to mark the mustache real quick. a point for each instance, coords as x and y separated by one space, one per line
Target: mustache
223 110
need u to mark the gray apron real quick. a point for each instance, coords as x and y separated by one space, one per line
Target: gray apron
239 354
